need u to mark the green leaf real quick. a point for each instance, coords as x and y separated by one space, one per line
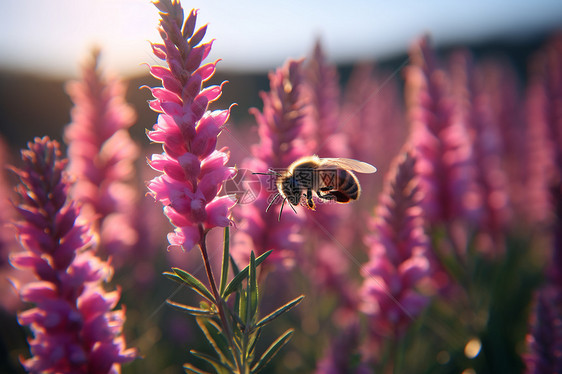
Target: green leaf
195 284
219 366
237 280
252 291
192 369
278 312
272 351
235 269
235 316
192 310
243 305
174 277
252 342
216 338
225 258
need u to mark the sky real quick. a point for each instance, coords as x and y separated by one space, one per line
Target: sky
52 37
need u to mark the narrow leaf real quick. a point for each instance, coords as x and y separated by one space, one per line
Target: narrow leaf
214 335
174 277
254 337
243 305
195 284
272 351
276 313
219 366
192 369
252 288
237 280
236 307
192 310
235 269
225 258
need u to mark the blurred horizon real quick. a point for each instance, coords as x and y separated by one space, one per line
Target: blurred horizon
51 105
53 38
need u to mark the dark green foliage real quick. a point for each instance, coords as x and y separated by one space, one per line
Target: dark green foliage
232 335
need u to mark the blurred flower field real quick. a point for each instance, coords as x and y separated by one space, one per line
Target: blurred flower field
180 253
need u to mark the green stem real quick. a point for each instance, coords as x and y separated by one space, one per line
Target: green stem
218 299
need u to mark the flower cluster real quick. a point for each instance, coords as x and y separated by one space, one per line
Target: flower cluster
280 129
193 171
342 355
440 139
74 327
399 260
323 95
102 156
326 133
545 93
545 338
475 111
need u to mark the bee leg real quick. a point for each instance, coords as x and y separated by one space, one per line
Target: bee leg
281 210
309 201
272 201
323 195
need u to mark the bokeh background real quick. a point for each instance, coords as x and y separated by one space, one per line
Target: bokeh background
44 43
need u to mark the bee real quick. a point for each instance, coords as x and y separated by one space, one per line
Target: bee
329 178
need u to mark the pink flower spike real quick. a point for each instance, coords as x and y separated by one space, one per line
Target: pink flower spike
194 170
281 142
441 141
68 275
400 260
102 154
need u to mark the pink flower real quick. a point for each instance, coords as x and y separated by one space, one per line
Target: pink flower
341 357
545 338
73 322
102 157
323 95
372 105
193 171
440 139
544 183
544 134
280 129
9 301
545 190
475 110
326 136
498 81
400 264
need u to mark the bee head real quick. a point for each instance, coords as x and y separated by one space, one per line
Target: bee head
291 189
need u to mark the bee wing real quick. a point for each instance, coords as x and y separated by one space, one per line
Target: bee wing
351 164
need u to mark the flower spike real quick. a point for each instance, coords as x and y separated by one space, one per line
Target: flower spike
193 170
73 322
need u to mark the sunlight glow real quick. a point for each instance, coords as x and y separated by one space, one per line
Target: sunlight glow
52 37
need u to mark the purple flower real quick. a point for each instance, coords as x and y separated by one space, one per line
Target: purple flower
280 129
6 211
545 338
474 106
323 95
9 300
441 142
544 183
326 136
372 105
400 264
102 157
193 171
73 322
341 357
498 81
